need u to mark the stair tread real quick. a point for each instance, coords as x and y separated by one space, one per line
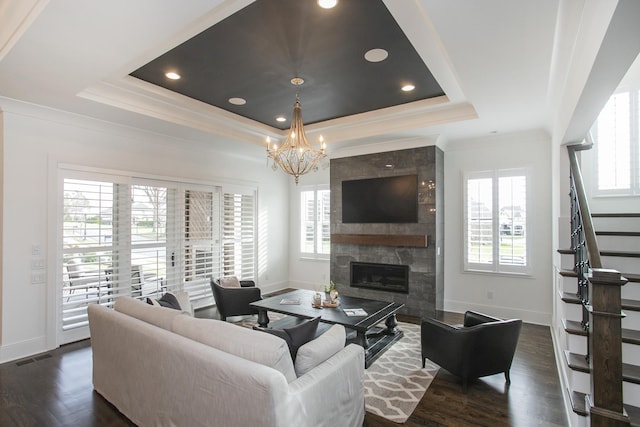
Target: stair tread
631 336
578 405
618 233
630 304
570 298
632 277
578 362
624 254
616 215
577 402
634 414
573 327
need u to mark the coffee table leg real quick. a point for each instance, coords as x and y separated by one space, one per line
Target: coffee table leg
263 319
392 325
361 339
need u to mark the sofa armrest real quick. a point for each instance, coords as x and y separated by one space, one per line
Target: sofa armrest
247 283
332 393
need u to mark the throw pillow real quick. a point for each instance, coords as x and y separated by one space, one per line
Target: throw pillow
229 282
322 348
167 300
295 336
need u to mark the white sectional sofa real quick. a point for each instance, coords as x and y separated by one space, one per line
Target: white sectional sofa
161 367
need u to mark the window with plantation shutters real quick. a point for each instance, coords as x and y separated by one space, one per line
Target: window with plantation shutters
201 252
122 235
315 216
496 235
238 238
616 134
89 248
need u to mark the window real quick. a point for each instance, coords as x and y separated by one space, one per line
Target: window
238 244
496 238
315 223
128 236
616 135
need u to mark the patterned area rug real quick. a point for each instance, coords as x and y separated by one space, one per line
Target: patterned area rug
396 382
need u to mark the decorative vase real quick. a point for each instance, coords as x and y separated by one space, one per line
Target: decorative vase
327 297
333 295
317 299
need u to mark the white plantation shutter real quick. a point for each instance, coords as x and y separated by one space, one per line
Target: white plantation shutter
91 211
201 244
315 221
153 241
122 235
496 235
239 231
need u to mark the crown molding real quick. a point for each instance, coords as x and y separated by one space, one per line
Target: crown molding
15 19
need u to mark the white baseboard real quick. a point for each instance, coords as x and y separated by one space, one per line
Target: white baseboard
527 316
20 350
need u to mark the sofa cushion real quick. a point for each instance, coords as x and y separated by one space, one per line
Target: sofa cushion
320 349
296 336
242 342
159 316
229 282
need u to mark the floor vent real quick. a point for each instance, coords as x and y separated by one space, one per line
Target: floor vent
34 359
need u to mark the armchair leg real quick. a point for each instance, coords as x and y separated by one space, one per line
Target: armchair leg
423 362
507 377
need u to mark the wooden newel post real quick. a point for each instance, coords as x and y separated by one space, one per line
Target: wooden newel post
605 402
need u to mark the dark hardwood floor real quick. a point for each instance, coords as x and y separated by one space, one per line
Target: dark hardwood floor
55 389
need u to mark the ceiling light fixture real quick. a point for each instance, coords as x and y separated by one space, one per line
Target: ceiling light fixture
376 55
172 75
327 4
237 101
296 156
408 88
281 119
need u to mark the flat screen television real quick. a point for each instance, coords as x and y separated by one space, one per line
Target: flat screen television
392 199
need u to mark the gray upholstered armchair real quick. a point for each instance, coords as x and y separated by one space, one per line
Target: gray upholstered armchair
483 346
234 301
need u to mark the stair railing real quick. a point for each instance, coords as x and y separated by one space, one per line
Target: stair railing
599 290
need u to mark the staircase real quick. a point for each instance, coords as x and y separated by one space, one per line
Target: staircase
618 244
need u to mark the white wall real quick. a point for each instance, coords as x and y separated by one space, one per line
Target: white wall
37 139
528 298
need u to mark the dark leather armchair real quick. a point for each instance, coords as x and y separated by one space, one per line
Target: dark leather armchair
235 301
483 346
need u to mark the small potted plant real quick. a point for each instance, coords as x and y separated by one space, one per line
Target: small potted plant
331 294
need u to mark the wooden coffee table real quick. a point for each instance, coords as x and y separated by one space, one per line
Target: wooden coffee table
374 339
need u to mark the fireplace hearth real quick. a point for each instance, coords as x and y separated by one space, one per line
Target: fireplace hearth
384 277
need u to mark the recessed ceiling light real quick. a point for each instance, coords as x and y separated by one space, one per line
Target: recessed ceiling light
237 101
172 75
408 88
327 4
376 55
281 119
388 166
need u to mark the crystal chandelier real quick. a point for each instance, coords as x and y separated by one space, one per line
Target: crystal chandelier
296 156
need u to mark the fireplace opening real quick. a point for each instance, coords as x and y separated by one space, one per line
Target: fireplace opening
385 277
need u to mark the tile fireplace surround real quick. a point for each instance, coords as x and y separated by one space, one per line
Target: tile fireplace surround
412 244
